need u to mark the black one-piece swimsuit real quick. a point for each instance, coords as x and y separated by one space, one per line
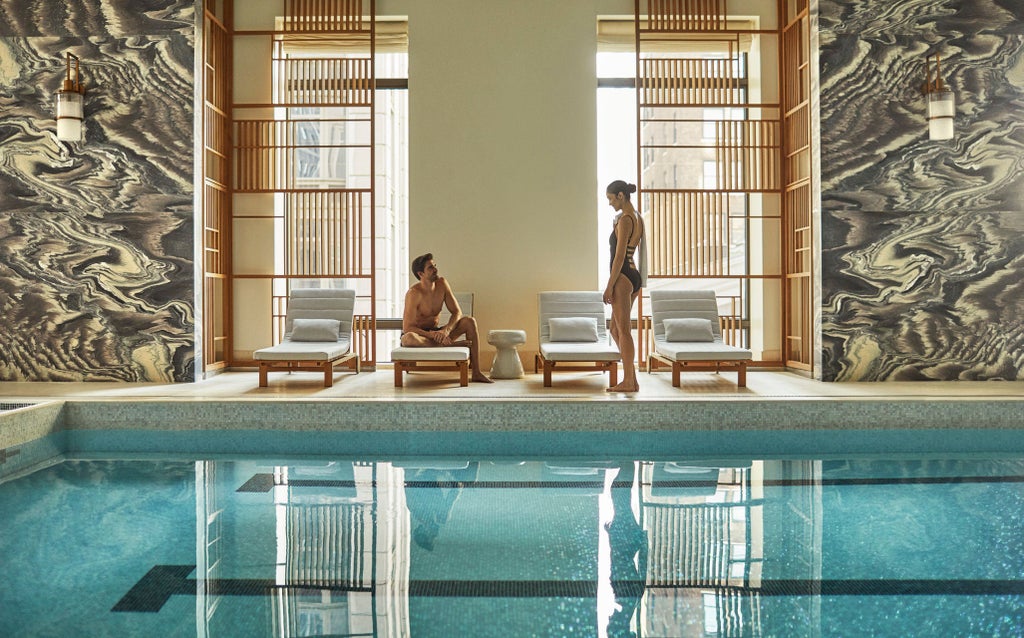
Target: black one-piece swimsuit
628 267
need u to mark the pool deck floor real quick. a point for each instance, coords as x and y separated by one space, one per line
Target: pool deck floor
567 386
940 415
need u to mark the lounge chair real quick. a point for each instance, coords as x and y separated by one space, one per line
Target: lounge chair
437 358
687 335
317 335
574 335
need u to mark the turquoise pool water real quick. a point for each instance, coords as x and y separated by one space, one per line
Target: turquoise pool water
455 547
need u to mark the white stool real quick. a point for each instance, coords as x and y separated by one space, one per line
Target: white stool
506 362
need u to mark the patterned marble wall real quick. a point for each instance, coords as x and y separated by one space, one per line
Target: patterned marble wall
922 242
96 238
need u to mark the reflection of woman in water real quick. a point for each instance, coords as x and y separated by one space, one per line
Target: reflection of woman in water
430 495
628 542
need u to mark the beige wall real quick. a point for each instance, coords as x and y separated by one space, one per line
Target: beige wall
502 149
502 154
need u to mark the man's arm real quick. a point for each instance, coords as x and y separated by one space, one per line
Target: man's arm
452 304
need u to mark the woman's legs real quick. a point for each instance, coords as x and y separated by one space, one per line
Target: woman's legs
622 333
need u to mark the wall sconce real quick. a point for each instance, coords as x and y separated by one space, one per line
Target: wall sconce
941 104
70 100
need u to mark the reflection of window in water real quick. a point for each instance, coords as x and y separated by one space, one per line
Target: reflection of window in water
325 618
705 525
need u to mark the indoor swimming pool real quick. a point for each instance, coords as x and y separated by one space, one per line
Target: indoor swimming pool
247 547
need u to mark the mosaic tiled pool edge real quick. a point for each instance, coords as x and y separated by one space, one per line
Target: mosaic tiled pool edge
565 416
32 422
391 445
509 428
30 437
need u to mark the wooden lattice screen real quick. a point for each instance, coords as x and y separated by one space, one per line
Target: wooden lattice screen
216 201
709 160
799 226
304 158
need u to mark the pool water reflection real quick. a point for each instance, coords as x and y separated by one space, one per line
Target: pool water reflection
430 547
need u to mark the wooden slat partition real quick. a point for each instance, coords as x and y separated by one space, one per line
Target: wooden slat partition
265 151
731 322
747 153
799 225
278 313
363 335
259 153
674 16
308 142
324 16
644 339
692 233
216 204
711 160
689 82
325 231
326 81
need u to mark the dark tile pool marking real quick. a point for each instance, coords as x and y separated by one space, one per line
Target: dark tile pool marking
8 453
157 587
265 482
258 483
14 406
153 591
895 480
515 485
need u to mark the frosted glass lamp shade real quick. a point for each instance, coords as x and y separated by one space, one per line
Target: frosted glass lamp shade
941 109
69 116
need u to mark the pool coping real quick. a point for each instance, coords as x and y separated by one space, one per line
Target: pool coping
769 426
357 415
354 415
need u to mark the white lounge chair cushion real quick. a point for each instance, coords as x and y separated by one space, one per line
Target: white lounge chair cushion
315 330
689 329
303 351
562 351
700 351
431 353
573 329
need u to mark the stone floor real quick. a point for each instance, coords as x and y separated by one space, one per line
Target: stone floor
761 384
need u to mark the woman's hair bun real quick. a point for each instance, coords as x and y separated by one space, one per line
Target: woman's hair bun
621 186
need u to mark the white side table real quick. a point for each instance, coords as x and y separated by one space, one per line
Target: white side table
506 362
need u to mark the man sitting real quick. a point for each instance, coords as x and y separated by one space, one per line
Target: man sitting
423 304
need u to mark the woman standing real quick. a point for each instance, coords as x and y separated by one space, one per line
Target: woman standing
625 279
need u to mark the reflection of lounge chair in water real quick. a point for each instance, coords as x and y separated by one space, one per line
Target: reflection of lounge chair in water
430 494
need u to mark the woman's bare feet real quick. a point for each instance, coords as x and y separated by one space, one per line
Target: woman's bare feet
625 387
